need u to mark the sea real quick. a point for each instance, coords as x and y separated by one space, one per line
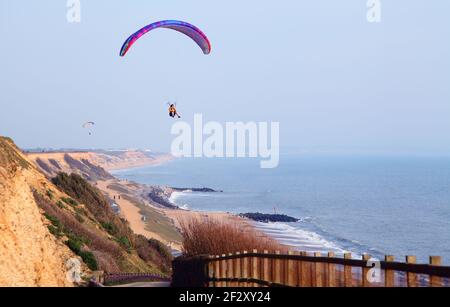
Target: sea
380 205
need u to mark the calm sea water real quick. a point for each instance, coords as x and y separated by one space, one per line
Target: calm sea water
388 205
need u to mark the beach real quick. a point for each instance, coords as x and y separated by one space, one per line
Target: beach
152 219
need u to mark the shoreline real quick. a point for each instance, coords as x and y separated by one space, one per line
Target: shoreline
139 209
163 199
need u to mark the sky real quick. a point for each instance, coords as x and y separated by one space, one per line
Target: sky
334 81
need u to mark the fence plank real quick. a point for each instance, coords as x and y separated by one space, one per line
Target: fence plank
230 271
211 273
318 272
365 272
255 268
277 269
291 271
266 268
348 275
237 268
245 268
305 272
389 275
224 268
331 276
411 278
434 280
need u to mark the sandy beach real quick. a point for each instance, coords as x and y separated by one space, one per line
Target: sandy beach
151 219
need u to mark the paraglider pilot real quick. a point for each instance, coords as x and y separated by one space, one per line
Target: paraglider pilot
173 111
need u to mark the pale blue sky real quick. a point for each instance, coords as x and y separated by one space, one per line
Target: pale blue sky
334 81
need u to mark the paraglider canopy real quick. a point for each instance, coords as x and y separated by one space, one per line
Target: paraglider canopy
88 125
183 27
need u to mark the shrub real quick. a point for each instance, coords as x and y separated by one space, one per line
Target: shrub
211 237
55 222
55 231
89 259
110 228
79 217
69 201
49 194
125 242
60 204
74 245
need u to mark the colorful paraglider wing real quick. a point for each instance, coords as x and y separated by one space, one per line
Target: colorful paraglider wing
183 27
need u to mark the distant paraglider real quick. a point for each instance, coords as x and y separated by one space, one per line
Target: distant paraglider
89 126
183 27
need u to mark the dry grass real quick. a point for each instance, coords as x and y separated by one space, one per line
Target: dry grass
208 236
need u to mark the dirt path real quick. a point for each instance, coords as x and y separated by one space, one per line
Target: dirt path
130 212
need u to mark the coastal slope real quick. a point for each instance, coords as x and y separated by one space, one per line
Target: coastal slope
46 222
29 254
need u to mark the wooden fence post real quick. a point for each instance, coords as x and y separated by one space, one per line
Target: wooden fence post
277 267
211 273
245 266
389 275
266 268
255 269
435 281
318 271
223 270
237 268
365 271
331 276
411 278
217 271
230 270
305 272
291 271
348 275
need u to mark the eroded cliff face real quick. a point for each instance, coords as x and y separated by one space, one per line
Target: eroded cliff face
29 254
93 165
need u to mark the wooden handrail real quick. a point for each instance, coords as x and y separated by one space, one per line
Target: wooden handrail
426 269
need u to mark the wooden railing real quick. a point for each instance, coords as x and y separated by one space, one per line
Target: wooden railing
300 269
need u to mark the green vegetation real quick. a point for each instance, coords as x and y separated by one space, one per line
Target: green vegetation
49 194
125 251
124 242
69 201
110 228
60 204
88 257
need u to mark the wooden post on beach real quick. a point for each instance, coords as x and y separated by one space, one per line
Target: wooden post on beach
389 275
230 270
318 271
365 272
255 269
237 268
245 267
223 272
331 274
277 269
291 271
305 272
266 268
411 278
435 281
348 276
